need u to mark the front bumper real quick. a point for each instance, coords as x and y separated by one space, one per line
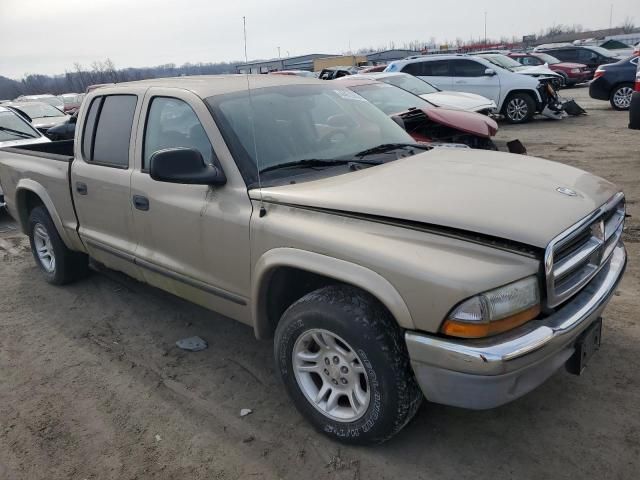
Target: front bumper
486 373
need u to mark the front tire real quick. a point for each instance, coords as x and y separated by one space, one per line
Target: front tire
620 97
344 362
58 264
519 108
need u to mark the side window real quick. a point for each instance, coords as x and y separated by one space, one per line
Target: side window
587 56
113 130
173 123
565 55
467 68
437 68
89 128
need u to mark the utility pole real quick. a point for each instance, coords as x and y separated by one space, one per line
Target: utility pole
611 17
485 28
279 53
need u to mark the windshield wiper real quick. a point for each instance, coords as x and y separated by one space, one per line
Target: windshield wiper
17 132
388 147
314 162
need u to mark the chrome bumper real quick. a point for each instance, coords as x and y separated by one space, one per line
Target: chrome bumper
485 373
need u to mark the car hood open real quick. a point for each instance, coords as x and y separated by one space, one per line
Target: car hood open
459 100
512 197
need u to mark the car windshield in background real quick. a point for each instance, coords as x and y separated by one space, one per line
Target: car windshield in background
504 62
390 99
410 83
602 51
293 123
547 58
13 127
39 110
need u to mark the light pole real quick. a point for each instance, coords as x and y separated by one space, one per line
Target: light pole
611 17
485 28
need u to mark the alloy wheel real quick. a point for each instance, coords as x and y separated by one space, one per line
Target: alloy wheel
43 247
331 375
517 109
622 97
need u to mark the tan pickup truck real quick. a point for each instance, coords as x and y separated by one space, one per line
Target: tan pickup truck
384 270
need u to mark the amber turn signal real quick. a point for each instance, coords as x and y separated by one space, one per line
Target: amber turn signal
479 330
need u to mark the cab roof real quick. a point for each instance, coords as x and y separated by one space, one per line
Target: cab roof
208 85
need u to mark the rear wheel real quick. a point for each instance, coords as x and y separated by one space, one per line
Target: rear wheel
620 97
345 365
59 265
519 108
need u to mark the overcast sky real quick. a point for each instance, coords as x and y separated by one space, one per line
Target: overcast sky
45 36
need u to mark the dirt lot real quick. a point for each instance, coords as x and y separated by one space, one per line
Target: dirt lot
92 386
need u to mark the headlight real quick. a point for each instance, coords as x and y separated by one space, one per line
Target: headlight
495 311
575 70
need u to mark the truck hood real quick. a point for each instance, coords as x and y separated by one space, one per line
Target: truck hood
459 100
512 197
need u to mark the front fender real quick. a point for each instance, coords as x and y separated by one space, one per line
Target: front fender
340 270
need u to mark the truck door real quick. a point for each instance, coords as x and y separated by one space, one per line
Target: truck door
100 180
469 76
193 240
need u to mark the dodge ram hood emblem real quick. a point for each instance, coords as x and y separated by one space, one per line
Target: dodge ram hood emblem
566 191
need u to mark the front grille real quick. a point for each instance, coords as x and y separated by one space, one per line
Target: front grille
576 255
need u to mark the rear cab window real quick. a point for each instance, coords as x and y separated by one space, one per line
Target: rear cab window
107 130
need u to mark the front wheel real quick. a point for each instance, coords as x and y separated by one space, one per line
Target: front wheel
620 97
345 365
519 108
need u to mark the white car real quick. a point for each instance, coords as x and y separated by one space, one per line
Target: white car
469 102
14 131
518 97
42 115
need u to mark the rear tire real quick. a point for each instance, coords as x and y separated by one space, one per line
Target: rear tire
59 265
519 108
340 342
620 97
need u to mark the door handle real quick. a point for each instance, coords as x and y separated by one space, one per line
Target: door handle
81 188
141 203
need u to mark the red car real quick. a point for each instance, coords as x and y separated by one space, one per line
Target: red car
573 73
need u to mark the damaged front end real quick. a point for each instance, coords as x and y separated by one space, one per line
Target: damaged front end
554 106
443 126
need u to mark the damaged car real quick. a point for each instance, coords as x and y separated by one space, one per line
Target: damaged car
424 121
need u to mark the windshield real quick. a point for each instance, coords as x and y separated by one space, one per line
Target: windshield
602 51
53 101
390 99
504 62
547 58
12 127
39 110
300 122
410 83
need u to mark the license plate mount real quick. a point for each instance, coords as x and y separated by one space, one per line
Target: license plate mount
586 345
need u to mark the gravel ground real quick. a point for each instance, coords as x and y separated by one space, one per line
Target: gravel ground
92 387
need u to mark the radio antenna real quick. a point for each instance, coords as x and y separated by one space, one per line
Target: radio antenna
253 127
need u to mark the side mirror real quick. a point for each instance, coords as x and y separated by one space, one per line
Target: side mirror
490 72
184 165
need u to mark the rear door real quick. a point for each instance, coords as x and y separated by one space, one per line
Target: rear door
101 177
193 240
469 76
436 72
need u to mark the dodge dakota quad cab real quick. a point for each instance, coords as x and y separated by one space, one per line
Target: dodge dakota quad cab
384 270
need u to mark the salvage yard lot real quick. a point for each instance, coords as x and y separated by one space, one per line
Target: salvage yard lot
92 386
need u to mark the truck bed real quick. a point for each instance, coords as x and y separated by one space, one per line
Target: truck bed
41 172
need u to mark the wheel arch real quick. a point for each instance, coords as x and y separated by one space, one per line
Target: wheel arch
30 194
283 275
525 91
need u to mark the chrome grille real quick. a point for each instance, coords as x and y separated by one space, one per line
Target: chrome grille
576 255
